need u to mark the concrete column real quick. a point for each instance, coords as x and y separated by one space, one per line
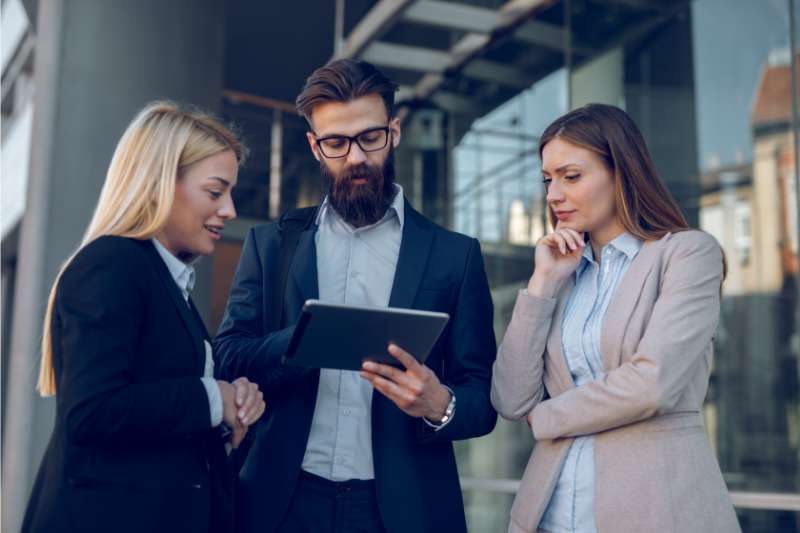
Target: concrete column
97 63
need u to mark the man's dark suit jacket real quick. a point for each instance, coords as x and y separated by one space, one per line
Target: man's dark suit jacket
415 469
133 449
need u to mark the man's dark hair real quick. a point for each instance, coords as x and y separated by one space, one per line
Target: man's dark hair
344 80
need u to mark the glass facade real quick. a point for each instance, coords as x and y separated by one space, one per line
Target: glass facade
709 85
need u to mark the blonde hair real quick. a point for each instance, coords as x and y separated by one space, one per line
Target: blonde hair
138 192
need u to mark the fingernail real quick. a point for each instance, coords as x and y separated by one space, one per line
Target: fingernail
368 366
241 414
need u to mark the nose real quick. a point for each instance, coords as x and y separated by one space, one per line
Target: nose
554 193
356 155
227 210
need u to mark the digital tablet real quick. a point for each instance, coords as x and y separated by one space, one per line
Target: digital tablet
344 336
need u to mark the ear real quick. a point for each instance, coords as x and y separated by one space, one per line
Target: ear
394 127
312 142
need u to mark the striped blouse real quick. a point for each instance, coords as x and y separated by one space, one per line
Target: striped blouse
571 508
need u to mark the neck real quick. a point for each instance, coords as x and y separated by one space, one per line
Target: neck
185 257
603 236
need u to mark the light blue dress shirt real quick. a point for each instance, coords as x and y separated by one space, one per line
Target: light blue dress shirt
571 508
354 266
184 277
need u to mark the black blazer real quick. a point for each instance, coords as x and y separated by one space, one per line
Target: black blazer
415 469
133 449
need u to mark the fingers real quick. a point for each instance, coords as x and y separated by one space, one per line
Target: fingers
405 358
405 379
402 397
238 434
565 239
253 406
249 401
573 238
241 386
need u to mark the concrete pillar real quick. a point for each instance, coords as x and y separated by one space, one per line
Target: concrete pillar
97 63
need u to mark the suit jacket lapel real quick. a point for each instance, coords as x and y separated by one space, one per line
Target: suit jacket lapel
414 250
199 320
623 303
194 327
304 267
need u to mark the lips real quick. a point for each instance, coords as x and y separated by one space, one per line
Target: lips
563 215
216 231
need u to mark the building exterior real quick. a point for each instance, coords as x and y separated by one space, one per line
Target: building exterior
708 82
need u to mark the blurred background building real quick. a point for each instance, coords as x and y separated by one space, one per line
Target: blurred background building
708 81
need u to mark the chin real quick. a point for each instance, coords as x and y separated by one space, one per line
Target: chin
201 250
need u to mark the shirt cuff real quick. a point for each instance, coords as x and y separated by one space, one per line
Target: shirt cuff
437 427
214 400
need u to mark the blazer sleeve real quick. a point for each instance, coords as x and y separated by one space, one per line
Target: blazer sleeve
517 379
99 310
468 362
241 345
679 331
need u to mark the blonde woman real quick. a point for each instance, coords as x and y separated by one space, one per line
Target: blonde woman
137 444
609 349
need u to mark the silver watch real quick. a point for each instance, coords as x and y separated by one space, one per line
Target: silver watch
451 407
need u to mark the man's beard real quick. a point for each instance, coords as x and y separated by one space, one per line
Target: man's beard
361 204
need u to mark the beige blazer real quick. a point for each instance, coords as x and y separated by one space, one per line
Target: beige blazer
654 468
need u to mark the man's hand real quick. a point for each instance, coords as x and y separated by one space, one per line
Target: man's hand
417 390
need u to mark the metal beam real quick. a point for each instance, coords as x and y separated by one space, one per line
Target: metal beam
483 70
452 15
406 57
640 4
434 61
462 105
550 36
373 26
238 97
512 13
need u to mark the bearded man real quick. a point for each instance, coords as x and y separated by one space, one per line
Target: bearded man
350 451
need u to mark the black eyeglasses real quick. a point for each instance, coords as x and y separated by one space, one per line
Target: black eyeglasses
371 140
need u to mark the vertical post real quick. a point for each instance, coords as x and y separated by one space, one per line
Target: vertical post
568 49
478 183
276 150
795 120
338 28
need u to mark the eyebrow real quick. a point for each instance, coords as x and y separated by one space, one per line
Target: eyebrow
562 168
328 135
223 181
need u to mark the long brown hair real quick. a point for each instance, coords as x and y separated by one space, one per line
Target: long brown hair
644 206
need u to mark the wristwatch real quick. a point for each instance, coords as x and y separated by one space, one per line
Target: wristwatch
448 412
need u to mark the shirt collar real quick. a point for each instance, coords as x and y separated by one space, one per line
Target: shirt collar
624 243
182 273
627 244
397 208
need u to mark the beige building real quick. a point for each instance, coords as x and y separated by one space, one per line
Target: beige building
751 208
